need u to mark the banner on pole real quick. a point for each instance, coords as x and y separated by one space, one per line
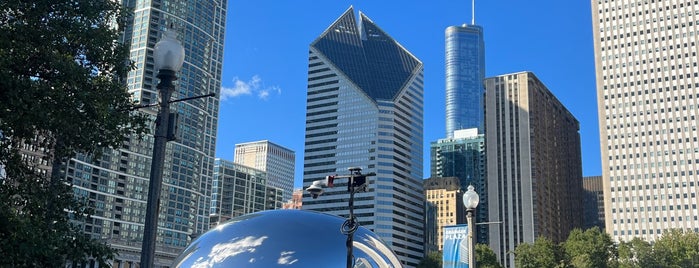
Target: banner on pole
455 241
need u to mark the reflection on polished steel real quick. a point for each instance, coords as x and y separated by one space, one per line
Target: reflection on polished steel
281 238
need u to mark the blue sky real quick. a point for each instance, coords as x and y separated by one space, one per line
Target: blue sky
266 55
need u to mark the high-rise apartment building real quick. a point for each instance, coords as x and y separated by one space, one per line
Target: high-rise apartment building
117 181
446 196
647 99
365 109
593 202
465 70
276 160
534 164
238 190
463 156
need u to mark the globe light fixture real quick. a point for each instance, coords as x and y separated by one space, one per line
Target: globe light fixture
470 198
168 55
471 202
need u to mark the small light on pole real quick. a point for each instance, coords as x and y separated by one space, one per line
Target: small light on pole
168 55
471 202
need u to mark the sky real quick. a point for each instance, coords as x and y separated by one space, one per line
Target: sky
263 87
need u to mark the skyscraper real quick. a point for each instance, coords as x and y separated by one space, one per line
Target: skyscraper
534 164
647 93
364 109
276 160
465 70
593 202
444 193
117 181
239 190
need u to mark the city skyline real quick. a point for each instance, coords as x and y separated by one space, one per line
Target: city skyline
266 50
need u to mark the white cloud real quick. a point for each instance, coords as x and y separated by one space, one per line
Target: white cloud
250 87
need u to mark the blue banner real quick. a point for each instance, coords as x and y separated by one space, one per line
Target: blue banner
455 241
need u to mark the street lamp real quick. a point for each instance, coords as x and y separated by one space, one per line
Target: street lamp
357 183
471 202
168 55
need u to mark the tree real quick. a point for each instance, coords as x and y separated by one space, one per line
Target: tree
590 248
677 249
636 253
61 72
543 253
486 258
432 260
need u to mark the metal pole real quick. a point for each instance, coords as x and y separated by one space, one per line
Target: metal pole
471 238
156 169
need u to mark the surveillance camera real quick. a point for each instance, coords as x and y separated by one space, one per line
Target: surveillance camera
316 189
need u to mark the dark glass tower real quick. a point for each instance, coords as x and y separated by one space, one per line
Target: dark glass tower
465 70
117 182
365 109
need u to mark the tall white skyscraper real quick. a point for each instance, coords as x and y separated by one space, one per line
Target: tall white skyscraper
648 100
276 160
365 109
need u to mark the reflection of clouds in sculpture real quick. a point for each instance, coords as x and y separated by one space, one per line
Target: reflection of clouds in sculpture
286 258
220 252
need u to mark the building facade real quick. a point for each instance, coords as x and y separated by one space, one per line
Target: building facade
593 202
277 161
238 190
365 109
446 196
465 70
534 164
647 99
296 201
463 156
117 181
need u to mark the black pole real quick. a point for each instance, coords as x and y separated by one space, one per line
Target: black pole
156 169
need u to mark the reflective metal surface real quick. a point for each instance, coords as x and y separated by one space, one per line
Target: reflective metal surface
281 238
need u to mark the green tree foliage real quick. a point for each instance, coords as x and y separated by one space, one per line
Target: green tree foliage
543 253
590 248
432 260
61 90
486 258
677 249
636 253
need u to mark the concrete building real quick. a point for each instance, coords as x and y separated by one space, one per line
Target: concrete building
117 181
593 202
647 93
238 190
465 70
534 164
274 159
296 201
365 109
446 196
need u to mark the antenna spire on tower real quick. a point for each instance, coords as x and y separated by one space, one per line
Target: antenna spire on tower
473 12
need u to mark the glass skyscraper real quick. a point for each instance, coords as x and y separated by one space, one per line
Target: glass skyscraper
365 109
117 181
465 70
648 104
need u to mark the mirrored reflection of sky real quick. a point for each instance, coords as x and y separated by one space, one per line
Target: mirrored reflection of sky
283 238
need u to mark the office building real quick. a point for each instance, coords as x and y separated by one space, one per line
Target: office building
365 109
296 201
593 202
534 164
463 156
446 196
465 70
238 190
276 160
117 181
647 92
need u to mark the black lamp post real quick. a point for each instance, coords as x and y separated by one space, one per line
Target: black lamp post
168 55
357 183
471 202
